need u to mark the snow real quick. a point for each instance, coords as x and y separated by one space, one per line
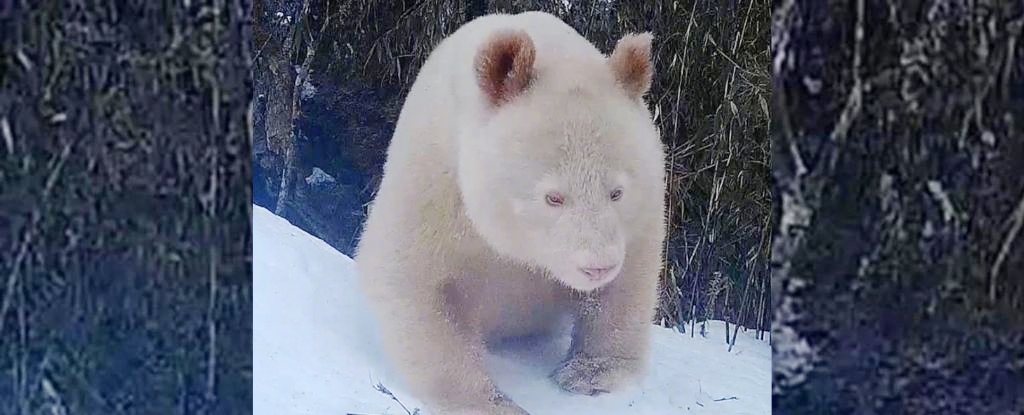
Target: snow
308 89
318 176
315 350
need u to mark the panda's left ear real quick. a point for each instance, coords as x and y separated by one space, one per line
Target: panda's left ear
631 63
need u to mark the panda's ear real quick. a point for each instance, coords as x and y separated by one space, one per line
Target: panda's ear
631 63
504 65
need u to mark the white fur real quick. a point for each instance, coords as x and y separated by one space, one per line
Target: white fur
460 246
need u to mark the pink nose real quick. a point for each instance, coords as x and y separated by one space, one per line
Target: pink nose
597 273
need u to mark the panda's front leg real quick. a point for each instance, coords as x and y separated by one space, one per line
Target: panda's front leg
611 334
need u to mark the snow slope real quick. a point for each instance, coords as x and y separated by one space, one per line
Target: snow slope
315 351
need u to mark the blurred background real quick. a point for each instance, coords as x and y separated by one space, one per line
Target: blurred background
330 84
897 166
125 199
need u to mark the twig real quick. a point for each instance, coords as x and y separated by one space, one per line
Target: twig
260 50
731 398
211 369
211 318
1017 220
210 206
30 234
380 388
5 129
23 394
853 103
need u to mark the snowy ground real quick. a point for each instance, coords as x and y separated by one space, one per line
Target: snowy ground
315 352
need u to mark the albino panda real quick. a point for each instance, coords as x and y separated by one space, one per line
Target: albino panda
524 183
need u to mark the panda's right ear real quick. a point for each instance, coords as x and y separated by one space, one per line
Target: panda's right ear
504 65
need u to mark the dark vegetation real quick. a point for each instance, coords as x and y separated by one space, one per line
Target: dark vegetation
710 97
125 240
898 160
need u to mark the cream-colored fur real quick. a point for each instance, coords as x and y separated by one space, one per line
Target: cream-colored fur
497 201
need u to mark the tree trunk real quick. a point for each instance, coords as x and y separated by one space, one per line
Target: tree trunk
279 98
278 117
283 116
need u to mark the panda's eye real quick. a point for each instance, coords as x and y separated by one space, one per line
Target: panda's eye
553 199
616 194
